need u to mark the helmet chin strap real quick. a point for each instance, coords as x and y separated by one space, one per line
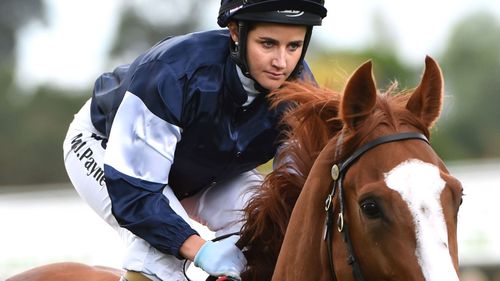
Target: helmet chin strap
238 49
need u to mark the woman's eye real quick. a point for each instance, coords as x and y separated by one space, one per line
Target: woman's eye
267 44
294 46
371 209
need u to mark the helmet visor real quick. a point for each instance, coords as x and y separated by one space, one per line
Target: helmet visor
285 16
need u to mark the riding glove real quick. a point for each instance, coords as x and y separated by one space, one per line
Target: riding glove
221 258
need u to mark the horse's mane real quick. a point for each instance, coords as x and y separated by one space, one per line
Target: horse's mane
313 112
311 121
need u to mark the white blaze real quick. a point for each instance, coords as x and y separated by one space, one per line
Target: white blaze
420 185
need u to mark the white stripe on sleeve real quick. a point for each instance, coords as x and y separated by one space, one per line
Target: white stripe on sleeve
141 145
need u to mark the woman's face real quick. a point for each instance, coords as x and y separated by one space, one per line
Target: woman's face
273 51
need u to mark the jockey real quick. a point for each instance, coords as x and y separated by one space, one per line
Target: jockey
176 135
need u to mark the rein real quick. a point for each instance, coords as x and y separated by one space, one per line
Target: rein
338 172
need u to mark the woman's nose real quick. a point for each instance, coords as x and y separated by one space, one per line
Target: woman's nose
279 61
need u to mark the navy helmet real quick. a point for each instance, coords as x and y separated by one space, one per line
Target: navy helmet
296 12
302 12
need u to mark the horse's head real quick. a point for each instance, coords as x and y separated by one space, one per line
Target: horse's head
399 202
391 196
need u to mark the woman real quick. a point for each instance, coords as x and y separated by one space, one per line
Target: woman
178 134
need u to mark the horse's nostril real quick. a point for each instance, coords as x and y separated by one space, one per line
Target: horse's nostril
424 209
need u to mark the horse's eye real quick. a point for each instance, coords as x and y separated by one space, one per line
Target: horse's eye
371 209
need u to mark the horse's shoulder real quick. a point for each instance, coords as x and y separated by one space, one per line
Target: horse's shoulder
68 271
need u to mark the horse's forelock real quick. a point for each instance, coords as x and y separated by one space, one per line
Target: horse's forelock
394 104
390 110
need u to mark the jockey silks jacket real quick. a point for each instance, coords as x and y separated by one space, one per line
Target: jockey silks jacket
175 116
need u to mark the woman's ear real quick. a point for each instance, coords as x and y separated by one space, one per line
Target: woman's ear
233 30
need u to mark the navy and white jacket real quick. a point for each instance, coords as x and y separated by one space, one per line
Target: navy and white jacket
175 116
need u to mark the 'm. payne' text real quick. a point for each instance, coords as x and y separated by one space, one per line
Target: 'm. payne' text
84 154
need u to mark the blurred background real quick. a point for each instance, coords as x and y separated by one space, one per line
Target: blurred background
52 51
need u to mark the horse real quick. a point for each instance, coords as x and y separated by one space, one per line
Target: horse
66 271
357 193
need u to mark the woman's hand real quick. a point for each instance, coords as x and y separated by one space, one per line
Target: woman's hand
221 258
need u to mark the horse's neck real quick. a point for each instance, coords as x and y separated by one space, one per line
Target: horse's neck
307 220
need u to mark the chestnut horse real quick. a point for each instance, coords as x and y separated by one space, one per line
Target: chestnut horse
358 194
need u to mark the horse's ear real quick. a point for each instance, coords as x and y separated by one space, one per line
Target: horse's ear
427 99
360 95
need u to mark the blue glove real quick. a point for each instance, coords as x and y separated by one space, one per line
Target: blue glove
221 258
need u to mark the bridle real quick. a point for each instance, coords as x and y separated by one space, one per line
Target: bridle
338 172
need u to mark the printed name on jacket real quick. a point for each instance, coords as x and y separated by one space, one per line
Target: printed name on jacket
85 156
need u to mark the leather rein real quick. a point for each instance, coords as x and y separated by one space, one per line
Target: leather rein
338 172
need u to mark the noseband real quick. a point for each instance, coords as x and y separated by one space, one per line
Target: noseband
338 172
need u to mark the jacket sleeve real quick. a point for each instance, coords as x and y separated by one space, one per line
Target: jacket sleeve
139 155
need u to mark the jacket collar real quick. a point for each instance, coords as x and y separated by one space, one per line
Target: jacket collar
233 83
